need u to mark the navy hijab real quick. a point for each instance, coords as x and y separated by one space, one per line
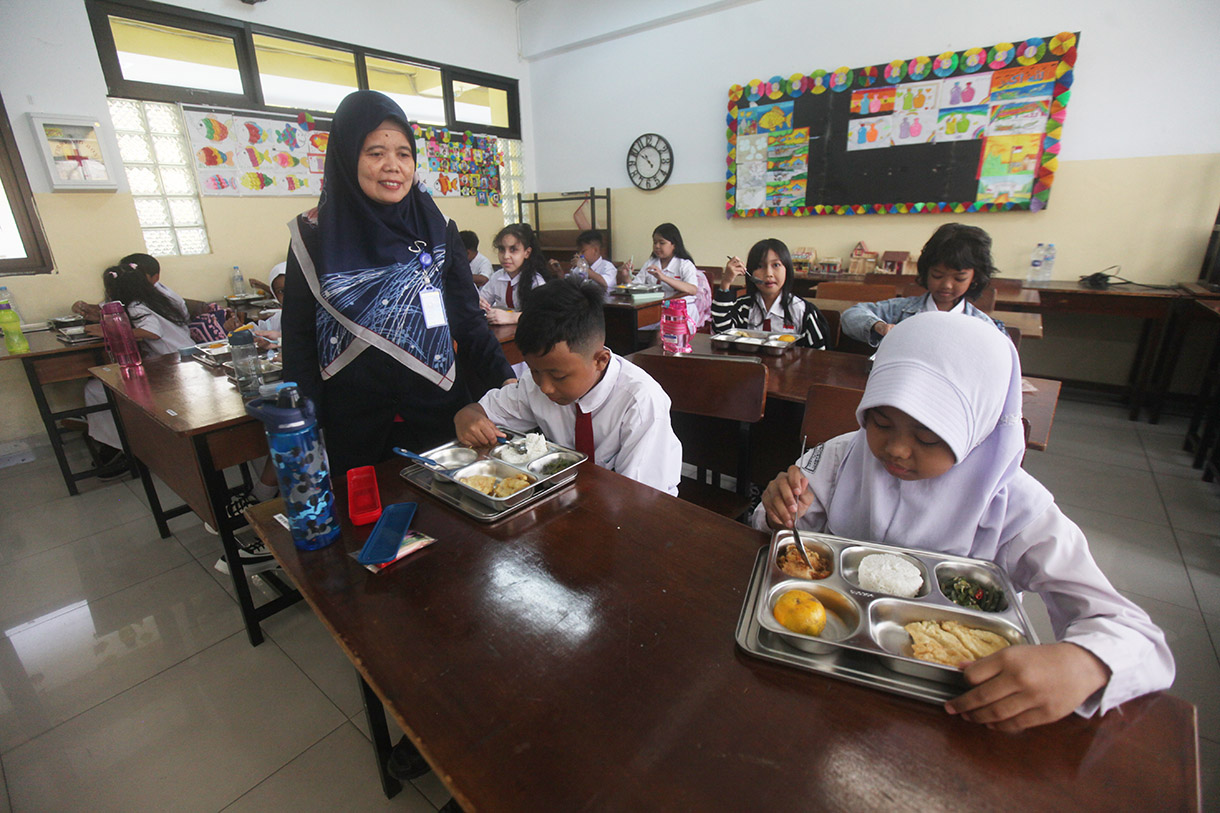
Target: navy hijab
378 261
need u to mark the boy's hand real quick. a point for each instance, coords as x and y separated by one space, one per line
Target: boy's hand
787 497
497 316
485 305
1020 687
474 428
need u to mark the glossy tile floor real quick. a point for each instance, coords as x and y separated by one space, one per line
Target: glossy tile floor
128 683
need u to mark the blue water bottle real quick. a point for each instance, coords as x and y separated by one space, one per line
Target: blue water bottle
300 465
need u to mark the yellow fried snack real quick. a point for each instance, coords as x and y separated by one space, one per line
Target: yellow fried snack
480 482
511 485
951 643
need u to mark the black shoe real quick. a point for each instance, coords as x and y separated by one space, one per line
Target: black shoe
254 558
406 762
114 468
239 503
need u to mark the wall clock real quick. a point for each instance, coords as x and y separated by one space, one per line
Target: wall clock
650 161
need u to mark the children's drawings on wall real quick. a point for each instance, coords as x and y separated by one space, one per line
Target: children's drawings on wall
244 154
994 114
459 164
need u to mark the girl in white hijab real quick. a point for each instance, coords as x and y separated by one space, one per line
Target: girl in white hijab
937 466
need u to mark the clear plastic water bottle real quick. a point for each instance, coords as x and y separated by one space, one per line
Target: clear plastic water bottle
120 339
239 282
579 269
1048 262
675 327
14 340
247 366
300 466
1035 265
7 296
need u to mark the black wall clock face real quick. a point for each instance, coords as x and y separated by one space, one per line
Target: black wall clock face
650 161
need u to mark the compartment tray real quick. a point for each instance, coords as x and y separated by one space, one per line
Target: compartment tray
453 494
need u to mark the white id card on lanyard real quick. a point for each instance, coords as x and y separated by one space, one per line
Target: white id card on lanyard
433 306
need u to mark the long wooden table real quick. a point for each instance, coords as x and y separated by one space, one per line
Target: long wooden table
625 317
581 656
50 361
186 423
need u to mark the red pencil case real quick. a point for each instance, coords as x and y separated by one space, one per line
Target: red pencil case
363 497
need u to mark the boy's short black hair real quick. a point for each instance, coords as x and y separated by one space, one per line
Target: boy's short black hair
958 246
470 240
590 237
563 310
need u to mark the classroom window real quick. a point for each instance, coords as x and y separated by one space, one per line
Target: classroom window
155 152
300 75
480 105
418 89
165 55
23 245
512 179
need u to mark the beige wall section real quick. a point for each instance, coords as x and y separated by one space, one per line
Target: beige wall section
89 231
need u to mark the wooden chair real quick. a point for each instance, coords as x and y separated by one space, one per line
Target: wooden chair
1014 333
715 403
830 411
832 322
854 291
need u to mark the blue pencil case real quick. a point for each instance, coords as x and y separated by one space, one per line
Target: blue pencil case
383 542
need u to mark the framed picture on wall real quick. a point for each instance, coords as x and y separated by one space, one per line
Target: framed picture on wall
74 153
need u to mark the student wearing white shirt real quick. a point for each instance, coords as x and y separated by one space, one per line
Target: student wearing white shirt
590 244
768 303
269 329
480 266
937 466
158 324
955 266
580 393
523 267
670 265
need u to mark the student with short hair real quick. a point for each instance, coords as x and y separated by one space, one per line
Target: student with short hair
523 268
955 266
769 303
590 244
579 392
480 266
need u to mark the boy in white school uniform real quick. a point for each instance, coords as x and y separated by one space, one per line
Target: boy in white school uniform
480 266
580 393
590 245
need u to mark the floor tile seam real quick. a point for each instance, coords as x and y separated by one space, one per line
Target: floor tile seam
65 610
1093 508
284 649
1177 544
292 759
119 694
94 532
1060 453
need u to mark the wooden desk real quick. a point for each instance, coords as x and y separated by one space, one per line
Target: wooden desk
581 657
47 362
625 317
507 336
186 423
1030 324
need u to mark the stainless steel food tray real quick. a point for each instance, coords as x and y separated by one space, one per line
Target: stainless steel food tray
634 288
457 459
754 341
865 628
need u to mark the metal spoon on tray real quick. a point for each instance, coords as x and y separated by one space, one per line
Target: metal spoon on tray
796 537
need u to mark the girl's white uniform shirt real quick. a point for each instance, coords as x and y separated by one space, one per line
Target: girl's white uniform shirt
172 336
494 292
677 268
173 295
631 429
1051 557
776 314
930 305
272 322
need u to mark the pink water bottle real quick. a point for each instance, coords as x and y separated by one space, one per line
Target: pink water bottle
120 340
675 327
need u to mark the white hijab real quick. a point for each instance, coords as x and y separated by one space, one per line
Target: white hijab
961 378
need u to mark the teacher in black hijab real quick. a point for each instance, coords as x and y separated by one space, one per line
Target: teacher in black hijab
378 291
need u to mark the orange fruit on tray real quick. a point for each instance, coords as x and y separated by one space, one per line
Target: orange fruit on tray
800 612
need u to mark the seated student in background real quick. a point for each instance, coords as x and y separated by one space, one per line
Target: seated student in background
955 266
768 303
147 264
263 328
590 244
158 324
580 393
937 466
523 268
265 287
480 266
670 265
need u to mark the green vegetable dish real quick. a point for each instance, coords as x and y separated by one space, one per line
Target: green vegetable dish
972 594
554 467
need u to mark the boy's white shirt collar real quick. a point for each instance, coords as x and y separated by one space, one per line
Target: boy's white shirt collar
593 400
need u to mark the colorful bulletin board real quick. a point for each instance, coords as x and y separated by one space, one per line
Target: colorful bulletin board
261 154
459 164
966 131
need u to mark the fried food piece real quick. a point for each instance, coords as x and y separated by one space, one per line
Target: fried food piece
480 482
511 485
790 562
951 643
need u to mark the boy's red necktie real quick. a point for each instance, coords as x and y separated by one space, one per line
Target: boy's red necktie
584 432
508 295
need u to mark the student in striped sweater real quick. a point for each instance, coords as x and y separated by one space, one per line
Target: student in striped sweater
768 303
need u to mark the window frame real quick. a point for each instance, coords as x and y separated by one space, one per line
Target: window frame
21 203
242 34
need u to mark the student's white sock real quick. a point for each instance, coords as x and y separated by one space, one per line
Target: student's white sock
263 492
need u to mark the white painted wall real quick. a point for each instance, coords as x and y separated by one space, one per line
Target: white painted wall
590 103
48 62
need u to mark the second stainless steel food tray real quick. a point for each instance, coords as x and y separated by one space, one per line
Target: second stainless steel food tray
872 623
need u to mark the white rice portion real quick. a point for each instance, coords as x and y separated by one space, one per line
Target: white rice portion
887 573
535 447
